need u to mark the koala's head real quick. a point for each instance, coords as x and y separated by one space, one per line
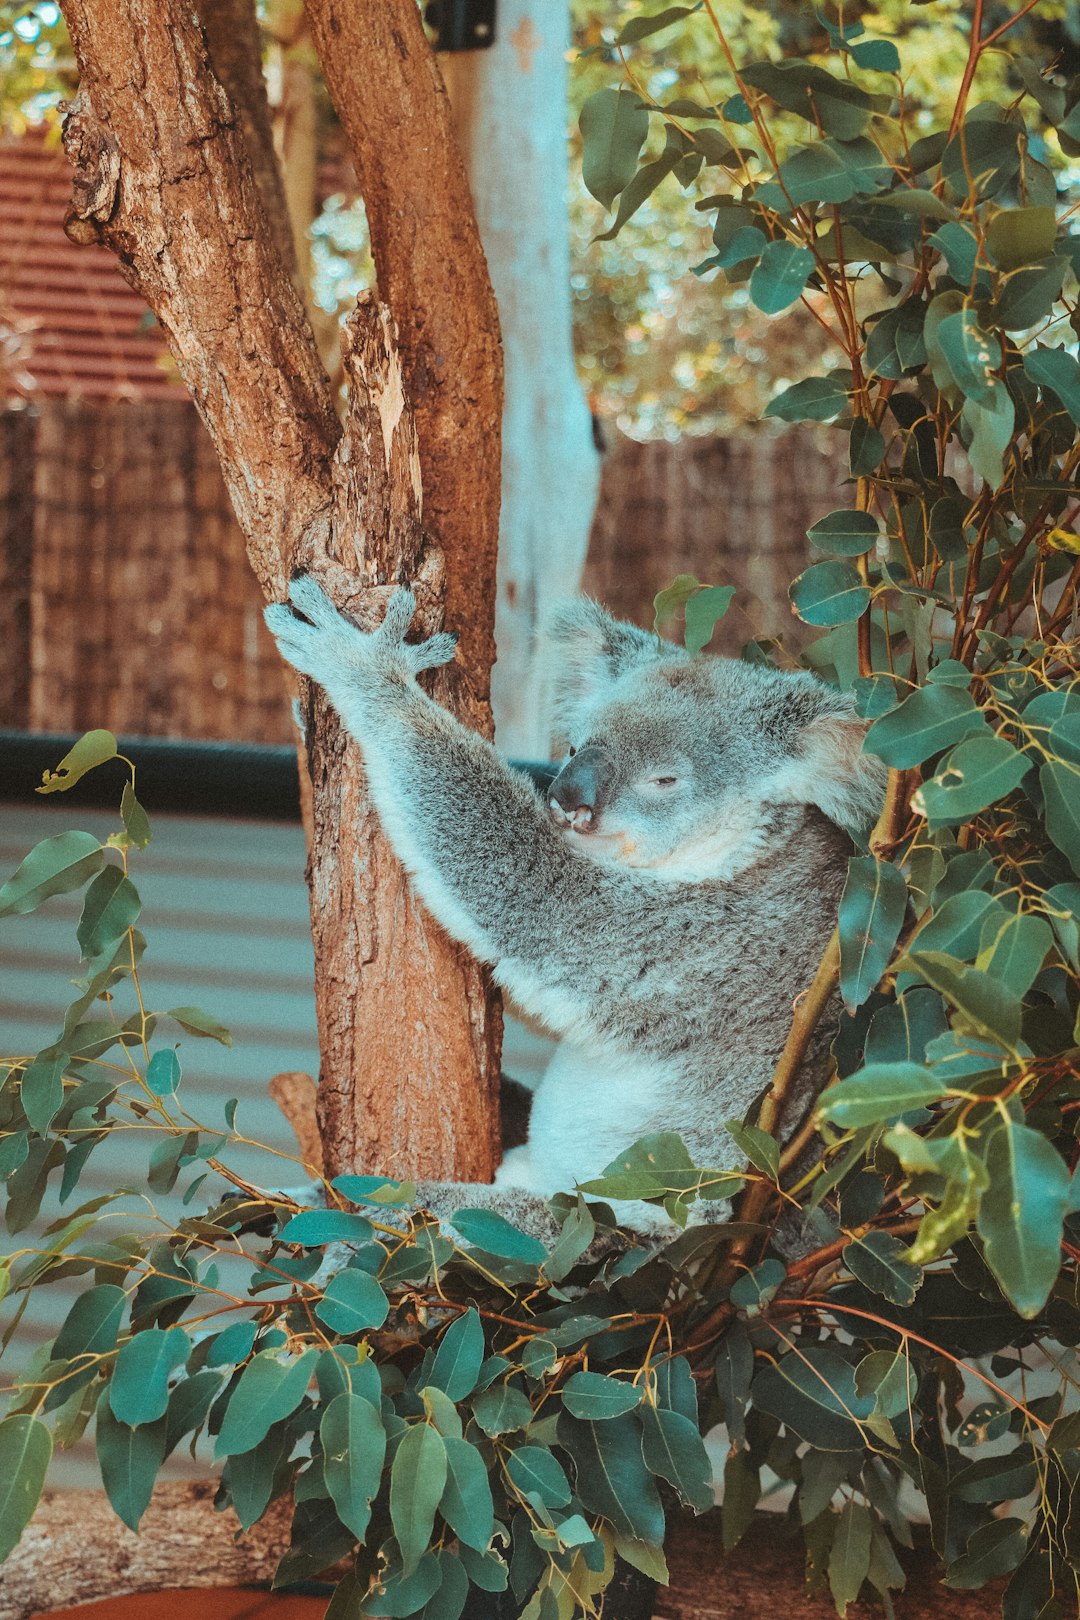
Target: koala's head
674 762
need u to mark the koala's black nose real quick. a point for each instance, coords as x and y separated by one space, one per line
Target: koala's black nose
577 793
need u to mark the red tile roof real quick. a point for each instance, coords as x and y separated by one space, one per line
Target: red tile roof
70 326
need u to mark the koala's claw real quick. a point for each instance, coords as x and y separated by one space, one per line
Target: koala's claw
320 641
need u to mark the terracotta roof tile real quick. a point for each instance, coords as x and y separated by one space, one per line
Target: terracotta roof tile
70 326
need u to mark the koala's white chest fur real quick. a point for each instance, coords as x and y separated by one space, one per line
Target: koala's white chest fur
588 1108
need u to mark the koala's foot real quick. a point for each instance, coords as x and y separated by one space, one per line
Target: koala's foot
319 641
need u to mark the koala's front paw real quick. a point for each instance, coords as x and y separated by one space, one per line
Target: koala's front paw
319 641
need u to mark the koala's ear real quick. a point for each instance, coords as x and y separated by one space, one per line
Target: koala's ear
585 652
828 767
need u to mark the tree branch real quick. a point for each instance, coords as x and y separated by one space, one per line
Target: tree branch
163 179
75 1549
385 84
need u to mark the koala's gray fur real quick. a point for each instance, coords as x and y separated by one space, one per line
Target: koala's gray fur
660 913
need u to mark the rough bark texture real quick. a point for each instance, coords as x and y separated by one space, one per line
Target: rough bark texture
551 468
378 1105
232 34
76 1550
163 178
386 87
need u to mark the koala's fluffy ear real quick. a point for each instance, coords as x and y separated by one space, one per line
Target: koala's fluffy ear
829 768
585 652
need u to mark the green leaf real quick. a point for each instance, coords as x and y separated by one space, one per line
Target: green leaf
812 1392
129 1460
163 1072
990 421
841 107
971 354
92 1324
1013 950
672 599
595 1396
871 916
484 1229
755 1288
847 532
1027 296
829 593
25 1454
42 1091
354 1446
815 399
189 1405
111 906
865 449
881 55
974 774
268 1391
55 866
757 1147
417 1480
405 1594
457 1360
983 155
983 1006
879 1091
466 1503
639 28
1018 236
314 1227
611 1476
502 1409
923 724
704 610
614 124
673 1449
1060 783
353 1302
534 1470
197 1022
93 748
1057 370
135 819
734 1370
849 1560
877 1260
993 1550
780 276
1021 1214
139 1387
640 189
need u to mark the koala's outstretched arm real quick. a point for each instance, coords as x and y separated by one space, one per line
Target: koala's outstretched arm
483 854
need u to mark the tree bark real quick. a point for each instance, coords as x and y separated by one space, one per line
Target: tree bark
232 35
162 177
75 1549
393 1097
510 111
390 98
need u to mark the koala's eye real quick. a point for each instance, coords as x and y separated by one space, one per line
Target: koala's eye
663 781
573 751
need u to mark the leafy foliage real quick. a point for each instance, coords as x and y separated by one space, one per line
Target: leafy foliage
470 1410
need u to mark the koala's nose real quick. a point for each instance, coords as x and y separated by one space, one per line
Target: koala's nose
576 795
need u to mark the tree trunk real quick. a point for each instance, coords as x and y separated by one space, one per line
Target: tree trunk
162 177
510 112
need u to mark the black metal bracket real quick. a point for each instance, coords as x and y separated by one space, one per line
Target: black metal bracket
462 25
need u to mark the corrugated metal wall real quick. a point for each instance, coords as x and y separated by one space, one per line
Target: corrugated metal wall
225 912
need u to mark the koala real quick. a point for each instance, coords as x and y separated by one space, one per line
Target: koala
665 906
